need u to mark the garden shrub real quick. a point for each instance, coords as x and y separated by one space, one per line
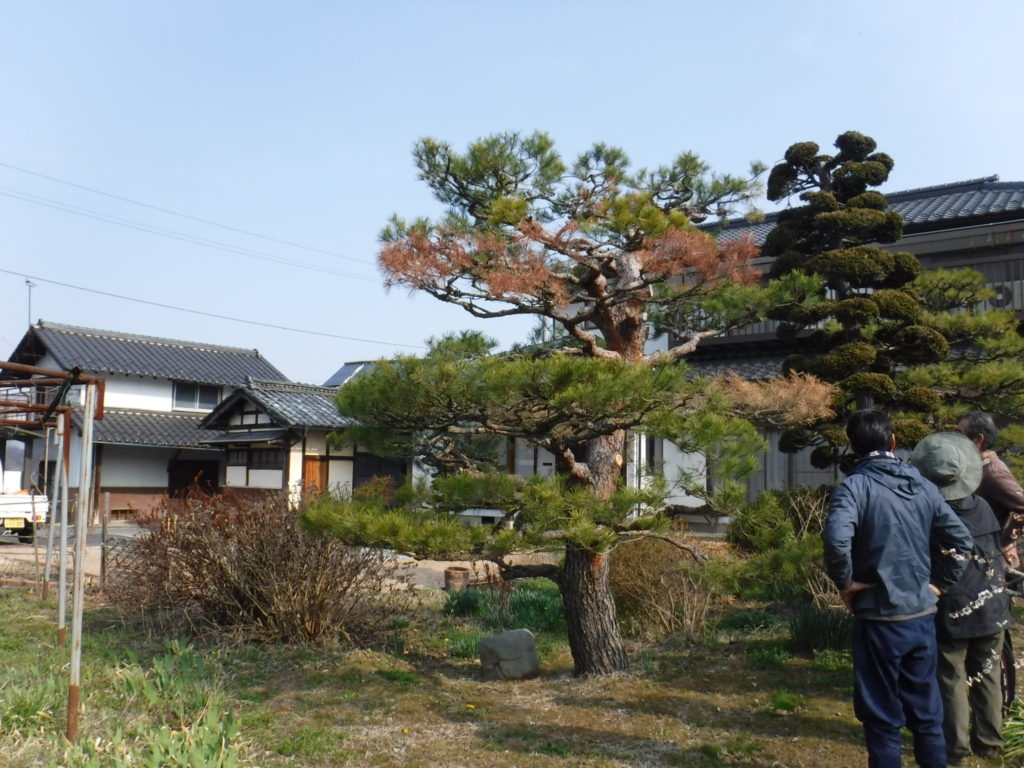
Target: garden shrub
243 562
465 603
814 627
775 517
761 524
781 533
786 572
747 621
533 604
659 589
1013 733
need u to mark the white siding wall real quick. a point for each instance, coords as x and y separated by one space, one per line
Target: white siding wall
678 465
530 460
783 470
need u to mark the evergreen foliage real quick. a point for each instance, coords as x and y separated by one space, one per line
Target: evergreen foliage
920 345
599 251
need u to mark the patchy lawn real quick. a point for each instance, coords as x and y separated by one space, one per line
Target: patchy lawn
737 698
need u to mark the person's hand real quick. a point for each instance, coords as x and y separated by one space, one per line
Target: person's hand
1010 553
851 591
935 590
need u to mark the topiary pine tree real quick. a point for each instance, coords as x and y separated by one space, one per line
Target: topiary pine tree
919 345
595 249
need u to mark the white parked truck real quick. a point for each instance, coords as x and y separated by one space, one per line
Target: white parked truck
21 512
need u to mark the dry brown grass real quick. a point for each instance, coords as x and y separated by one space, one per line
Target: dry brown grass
711 713
699 704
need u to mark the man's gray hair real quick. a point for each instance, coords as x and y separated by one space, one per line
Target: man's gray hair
980 423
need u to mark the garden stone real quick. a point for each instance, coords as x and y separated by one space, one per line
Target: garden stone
509 656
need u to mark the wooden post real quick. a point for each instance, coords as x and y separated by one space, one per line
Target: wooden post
62 560
104 519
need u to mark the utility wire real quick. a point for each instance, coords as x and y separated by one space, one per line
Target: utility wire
208 314
174 235
178 213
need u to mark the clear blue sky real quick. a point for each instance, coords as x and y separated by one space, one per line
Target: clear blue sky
295 121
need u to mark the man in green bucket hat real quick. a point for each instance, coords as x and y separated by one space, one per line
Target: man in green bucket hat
974 612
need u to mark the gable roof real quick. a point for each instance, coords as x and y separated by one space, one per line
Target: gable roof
110 352
288 404
961 203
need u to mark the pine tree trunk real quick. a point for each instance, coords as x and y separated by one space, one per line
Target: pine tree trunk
594 636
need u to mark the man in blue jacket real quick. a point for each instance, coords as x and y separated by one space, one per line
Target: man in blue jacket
884 520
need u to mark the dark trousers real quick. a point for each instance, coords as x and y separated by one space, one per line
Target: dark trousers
895 685
980 703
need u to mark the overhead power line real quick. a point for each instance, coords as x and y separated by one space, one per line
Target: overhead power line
208 314
174 235
171 212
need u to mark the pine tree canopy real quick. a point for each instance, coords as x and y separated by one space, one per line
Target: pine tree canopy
920 344
604 253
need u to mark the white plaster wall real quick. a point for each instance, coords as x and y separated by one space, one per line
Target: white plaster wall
266 478
239 419
347 449
234 476
316 444
339 475
294 465
138 392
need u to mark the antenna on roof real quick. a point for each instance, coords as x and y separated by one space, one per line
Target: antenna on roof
30 285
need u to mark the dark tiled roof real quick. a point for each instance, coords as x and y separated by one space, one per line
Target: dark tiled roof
939 207
984 197
109 352
250 436
292 405
751 367
149 428
346 372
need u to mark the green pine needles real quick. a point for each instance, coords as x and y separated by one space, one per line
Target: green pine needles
919 344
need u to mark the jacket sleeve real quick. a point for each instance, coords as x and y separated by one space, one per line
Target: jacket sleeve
1004 493
838 534
953 545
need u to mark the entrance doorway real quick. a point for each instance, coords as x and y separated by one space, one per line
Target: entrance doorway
314 474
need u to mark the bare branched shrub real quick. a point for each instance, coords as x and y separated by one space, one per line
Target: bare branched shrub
821 589
660 590
242 562
808 508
